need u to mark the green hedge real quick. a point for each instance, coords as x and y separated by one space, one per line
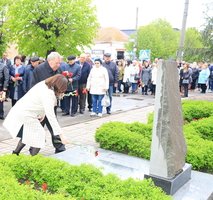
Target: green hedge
11 189
135 139
193 110
64 181
132 139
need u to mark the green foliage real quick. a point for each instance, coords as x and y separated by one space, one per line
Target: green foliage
65 181
40 26
150 118
204 128
3 31
12 190
207 36
193 110
159 36
135 139
193 42
199 150
132 139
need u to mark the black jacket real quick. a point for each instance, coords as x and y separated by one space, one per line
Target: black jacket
85 70
112 71
42 72
4 77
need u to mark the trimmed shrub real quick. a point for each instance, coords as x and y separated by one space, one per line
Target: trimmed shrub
11 189
199 150
204 128
193 110
64 181
132 139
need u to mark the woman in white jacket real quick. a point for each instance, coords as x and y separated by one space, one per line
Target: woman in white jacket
24 118
97 84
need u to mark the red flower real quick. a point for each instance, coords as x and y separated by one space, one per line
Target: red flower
70 74
96 153
17 75
84 91
44 187
65 73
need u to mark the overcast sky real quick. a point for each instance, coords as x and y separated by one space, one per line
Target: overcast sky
122 13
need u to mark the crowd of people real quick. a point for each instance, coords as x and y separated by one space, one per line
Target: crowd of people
87 82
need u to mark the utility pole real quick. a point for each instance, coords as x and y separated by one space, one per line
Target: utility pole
183 30
136 36
136 25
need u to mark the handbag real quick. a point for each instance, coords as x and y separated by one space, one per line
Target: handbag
136 77
105 102
185 81
128 83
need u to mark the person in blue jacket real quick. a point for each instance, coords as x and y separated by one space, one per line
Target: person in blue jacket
73 74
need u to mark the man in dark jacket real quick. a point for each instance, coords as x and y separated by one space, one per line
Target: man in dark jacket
29 73
4 79
41 72
85 70
74 72
5 60
113 77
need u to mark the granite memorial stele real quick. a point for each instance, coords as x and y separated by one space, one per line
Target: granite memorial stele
168 169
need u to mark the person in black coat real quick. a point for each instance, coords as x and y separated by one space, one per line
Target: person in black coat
5 61
34 62
41 72
74 71
85 70
4 80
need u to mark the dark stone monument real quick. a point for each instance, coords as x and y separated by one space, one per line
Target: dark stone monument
167 164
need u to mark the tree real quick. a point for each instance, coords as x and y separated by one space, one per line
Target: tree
41 26
159 37
193 45
3 31
207 34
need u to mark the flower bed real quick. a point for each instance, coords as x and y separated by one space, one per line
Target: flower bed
135 139
25 177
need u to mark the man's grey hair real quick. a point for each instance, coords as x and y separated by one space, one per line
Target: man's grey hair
54 55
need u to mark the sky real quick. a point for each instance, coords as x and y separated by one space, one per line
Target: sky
122 13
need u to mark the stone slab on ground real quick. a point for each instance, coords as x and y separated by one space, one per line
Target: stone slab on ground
199 187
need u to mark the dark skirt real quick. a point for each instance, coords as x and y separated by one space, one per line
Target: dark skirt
20 133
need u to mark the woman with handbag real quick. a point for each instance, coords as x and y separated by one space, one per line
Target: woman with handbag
97 85
185 76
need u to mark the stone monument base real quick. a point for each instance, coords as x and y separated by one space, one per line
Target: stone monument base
170 186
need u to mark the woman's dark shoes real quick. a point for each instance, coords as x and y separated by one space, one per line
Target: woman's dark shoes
2 117
65 114
108 112
15 153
